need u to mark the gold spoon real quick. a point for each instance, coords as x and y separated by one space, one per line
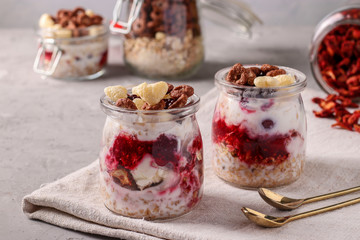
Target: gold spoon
285 203
270 221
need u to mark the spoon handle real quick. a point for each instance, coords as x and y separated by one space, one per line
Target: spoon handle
322 210
331 195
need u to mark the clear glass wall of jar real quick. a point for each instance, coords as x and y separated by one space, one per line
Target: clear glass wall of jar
63 54
259 134
151 162
164 40
334 52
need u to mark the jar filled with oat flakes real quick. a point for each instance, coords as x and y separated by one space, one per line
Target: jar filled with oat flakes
163 38
259 125
73 45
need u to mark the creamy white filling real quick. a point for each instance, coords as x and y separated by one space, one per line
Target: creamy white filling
148 172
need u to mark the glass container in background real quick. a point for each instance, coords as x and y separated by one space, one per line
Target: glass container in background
163 38
335 52
77 54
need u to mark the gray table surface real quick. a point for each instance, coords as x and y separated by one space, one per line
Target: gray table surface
50 128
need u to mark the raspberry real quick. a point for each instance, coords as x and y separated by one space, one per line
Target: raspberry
268 124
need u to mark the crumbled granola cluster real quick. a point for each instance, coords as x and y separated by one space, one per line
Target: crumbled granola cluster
156 96
71 23
172 17
265 76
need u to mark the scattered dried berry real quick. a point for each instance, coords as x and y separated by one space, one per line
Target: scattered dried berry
334 106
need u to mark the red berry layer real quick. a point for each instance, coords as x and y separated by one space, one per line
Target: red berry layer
261 149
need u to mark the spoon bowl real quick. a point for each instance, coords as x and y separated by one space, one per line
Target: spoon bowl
279 201
262 219
285 203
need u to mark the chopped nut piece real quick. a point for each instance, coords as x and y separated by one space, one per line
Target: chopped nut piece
266 81
180 102
124 178
139 103
267 68
182 89
276 72
115 92
46 21
126 103
285 79
63 33
151 93
159 106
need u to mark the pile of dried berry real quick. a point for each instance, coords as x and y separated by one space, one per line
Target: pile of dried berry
339 59
156 96
335 106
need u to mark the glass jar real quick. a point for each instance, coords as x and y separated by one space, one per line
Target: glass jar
259 134
151 162
334 52
163 38
61 55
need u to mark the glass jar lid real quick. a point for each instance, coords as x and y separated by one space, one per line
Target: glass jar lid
230 14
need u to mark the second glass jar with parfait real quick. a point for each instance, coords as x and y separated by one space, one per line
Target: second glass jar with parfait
162 37
259 132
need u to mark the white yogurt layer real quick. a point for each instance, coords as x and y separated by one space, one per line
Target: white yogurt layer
161 191
79 60
287 116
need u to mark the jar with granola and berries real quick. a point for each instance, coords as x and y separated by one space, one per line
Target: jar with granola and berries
151 157
259 125
335 52
163 38
73 45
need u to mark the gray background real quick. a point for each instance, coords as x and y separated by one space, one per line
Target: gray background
24 13
48 130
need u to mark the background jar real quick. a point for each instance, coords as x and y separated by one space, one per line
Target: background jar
335 52
77 54
259 134
163 37
151 162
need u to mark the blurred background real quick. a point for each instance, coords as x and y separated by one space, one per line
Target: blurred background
25 13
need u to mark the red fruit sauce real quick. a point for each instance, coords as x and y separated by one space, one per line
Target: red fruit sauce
262 149
128 151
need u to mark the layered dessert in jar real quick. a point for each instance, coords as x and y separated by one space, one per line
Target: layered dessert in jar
151 159
73 45
259 126
165 40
